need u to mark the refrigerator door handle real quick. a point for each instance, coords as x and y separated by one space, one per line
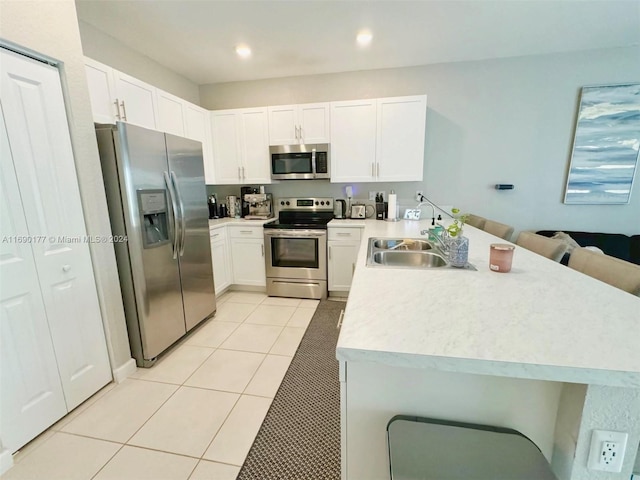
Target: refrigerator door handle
174 208
183 227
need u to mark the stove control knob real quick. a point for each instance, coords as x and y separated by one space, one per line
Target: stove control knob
328 203
317 202
288 203
322 203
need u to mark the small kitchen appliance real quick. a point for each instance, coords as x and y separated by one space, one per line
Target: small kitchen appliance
245 205
358 211
231 206
259 206
340 208
213 206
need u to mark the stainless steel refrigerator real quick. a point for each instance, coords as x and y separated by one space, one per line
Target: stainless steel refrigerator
159 218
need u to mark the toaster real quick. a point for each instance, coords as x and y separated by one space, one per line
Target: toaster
358 211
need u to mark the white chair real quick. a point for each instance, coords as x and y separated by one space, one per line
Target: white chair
547 247
476 221
618 273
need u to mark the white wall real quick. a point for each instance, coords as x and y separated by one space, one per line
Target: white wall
494 121
51 29
110 51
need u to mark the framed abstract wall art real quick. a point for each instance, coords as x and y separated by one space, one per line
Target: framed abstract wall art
604 159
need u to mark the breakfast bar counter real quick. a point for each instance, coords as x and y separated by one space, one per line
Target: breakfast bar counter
525 349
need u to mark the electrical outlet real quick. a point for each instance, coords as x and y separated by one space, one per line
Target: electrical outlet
607 451
418 195
372 196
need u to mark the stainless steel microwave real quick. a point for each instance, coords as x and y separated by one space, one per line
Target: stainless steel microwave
300 162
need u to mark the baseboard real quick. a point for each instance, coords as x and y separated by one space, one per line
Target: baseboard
124 371
6 460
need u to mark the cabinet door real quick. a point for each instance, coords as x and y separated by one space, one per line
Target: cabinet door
197 128
31 397
247 257
220 259
137 100
283 125
353 141
400 138
313 119
254 145
104 105
226 146
38 133
341 264
171 115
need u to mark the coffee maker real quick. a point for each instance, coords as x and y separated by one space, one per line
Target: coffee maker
260 206
244 191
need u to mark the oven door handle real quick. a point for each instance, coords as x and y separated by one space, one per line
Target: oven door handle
295 233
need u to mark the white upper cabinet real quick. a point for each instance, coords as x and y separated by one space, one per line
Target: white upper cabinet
241 146
292 124
378 140
171 114
116 96
137 100
400 138
102 92
353 141
196 124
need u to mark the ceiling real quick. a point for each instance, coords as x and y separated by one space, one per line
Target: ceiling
197 39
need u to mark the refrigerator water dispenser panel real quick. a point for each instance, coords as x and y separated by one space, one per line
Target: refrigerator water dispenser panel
153 212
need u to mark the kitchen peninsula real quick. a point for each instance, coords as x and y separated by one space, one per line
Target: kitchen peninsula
543 349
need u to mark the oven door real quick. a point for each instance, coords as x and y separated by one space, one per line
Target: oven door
296 254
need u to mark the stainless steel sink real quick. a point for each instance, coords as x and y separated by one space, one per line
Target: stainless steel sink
392 258
402 244
407 253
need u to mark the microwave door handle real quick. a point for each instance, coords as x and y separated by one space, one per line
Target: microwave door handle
313 162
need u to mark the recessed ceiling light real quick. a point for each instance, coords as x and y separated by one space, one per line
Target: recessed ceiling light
364 38
243 51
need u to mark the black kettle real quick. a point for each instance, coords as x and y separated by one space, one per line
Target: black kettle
340 210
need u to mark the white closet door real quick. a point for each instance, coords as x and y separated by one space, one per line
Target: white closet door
38 133
31 396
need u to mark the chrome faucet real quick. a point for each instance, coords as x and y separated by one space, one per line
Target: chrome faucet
440 239
433 211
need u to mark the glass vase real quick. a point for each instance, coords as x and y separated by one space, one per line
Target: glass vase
458 251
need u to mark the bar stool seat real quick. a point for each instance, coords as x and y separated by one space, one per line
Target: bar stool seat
618 273
431 449
547 247
498 229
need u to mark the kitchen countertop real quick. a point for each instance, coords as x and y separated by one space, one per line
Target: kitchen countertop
219 222
541 321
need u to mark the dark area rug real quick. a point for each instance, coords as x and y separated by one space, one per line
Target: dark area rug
300 436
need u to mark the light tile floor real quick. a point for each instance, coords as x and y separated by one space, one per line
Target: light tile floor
194 415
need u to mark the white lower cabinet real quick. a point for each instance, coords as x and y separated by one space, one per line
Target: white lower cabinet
343 245
220 258
53 353
247 255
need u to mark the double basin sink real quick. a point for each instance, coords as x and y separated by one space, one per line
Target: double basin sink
406 253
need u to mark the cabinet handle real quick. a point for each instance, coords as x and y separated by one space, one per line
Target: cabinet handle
215 235
373 169
246 231
353 269
340 319
66 268
343 234
262 247
124 111
329 253
117 109
239 176
377 169
301 134
243 175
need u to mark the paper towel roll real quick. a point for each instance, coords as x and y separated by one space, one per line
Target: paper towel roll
392 208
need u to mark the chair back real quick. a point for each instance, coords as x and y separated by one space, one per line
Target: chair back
547 247
476 221
618 273
498 229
